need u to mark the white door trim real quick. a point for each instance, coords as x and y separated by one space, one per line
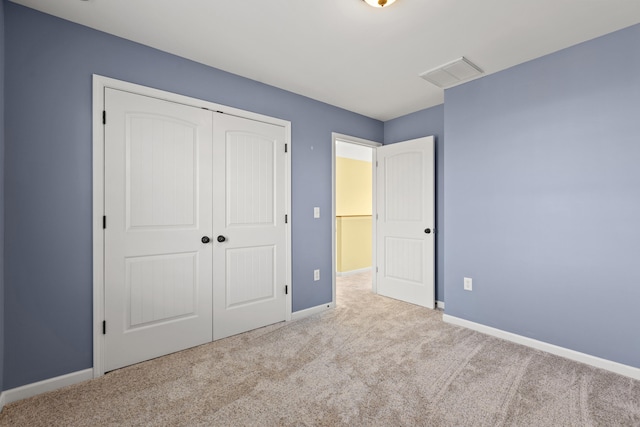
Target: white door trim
99 85
359 141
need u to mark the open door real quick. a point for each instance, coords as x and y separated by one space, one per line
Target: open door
406 221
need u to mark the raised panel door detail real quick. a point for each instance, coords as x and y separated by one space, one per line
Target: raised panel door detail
404 259
403 187
161 160
250 275
250 179
161 287
249 265
405 206
158 203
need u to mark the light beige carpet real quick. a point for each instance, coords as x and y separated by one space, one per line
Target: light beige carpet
371 361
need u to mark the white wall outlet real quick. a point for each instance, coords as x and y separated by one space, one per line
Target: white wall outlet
316 275
316 212
468 284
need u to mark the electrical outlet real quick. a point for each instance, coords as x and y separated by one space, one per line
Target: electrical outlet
316 212
316 275
468 284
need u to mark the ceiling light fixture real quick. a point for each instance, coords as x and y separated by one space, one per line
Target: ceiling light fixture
379 3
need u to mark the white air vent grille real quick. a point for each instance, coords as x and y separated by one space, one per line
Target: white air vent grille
452 73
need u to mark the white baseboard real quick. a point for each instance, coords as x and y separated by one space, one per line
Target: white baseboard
311 311
352 272
440 304
29 390
1 401
609 365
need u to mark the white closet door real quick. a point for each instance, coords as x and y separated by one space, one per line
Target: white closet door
249 225
406 220
158 203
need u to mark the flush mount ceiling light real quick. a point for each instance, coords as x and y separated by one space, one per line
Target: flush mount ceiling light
379 3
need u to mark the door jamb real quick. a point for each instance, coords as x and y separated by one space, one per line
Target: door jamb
373 145
100 83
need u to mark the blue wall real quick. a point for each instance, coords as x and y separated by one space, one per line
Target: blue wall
49 63
1 193
424 123
542 198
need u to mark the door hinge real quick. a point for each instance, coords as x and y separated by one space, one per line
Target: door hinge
376 163
286 147
104 117
104 222
286 289
376 216
104 327
376 269
286 219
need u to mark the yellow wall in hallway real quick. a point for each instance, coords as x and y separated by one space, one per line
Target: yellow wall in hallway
354 242
353 212
353 187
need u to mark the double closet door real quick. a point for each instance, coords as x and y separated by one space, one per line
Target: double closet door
195 226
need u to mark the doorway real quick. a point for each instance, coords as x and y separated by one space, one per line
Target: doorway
402 216
353 206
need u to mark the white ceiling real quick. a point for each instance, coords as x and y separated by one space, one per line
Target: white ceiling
344 52
354 151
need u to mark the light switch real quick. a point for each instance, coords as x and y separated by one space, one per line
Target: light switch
316 212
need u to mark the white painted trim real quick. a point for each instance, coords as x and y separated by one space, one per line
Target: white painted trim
313 310
29 390
334 253
609 365
99 85
374 218
352 272
353 140
2 401
288 211
440 304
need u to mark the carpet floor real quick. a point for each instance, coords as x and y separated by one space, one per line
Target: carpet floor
371 361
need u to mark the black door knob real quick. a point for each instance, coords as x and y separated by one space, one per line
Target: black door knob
427 230
205 239
221 238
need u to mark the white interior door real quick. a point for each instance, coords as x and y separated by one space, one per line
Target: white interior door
406 221
158 203
249 225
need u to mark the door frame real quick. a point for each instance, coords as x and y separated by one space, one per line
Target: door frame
373 145
100 83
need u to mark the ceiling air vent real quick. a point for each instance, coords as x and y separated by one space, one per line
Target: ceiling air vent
452 73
